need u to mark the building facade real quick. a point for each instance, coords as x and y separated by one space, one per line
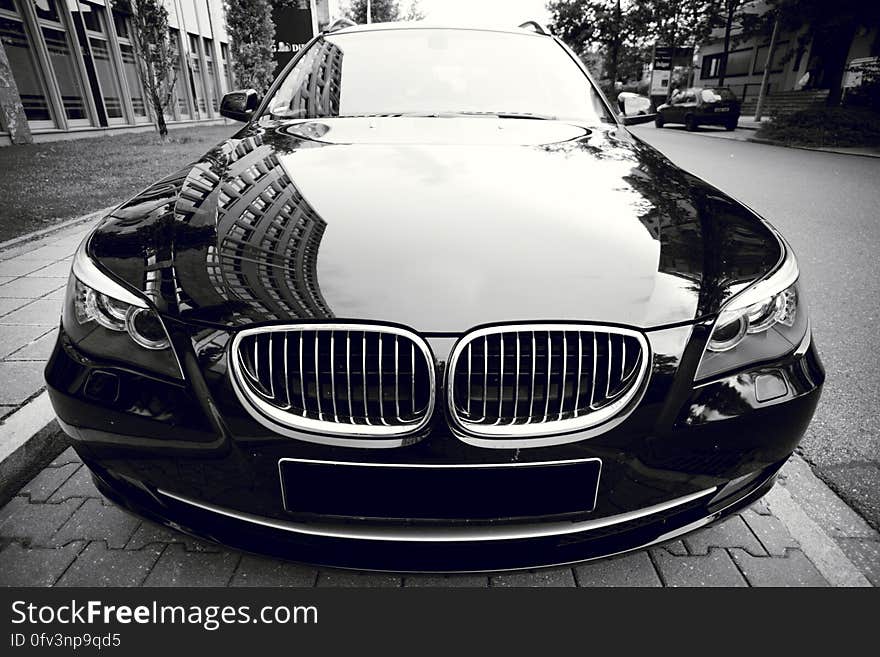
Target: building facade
71 65
798 69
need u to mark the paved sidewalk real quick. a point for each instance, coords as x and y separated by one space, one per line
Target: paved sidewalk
58 530
33 276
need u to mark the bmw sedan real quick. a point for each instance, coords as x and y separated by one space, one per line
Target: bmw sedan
433 307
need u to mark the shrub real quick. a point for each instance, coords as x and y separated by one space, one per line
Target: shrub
825 126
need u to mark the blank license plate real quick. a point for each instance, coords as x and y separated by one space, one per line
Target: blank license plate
439 492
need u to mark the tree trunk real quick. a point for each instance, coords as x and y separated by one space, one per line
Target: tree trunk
731 6
160 116
614 59
835 66
763 89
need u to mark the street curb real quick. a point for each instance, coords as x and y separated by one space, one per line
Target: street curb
819 547
46 232
29 439
815 149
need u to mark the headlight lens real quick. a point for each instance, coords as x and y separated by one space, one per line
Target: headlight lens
764 322
106 320
142 324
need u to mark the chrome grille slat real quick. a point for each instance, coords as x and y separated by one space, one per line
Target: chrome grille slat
549 375
366 386
549 355
348 371
300 385
501 384
516 382
534 358
332 372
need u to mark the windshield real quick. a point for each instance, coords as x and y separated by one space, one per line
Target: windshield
714 95
437 72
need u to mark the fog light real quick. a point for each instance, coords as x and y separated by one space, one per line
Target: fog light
102 386
145 328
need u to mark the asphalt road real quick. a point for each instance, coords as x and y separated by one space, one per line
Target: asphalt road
828 207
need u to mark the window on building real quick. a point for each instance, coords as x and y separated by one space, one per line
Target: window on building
738 62
227 69
63 61
710 67
105 66
198 80
122 25
779 54
213 82
25 70
180 79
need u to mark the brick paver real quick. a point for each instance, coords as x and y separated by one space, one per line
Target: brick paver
793 569
178 567
713 569
544 577
635 569
97 565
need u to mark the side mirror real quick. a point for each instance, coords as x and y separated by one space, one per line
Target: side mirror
239 105
635 109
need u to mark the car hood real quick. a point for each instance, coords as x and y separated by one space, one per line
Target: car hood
437 223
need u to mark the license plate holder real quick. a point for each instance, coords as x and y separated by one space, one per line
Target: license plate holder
439 492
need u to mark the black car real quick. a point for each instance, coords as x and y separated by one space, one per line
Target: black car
700 106
434 308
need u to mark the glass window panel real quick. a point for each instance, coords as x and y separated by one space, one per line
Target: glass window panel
135 90
47 9
8 5
198 85
92 17
65 73
27 77
120 21
179 78
107 75
212 85
738 62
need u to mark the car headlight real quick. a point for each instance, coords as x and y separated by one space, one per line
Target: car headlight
765 321
106 320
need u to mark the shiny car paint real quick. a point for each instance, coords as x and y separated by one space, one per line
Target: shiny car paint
439 225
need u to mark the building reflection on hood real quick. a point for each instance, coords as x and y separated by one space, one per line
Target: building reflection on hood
268 237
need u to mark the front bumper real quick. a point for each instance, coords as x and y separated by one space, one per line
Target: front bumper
184 454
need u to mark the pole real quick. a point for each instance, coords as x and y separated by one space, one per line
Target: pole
763 91
369 13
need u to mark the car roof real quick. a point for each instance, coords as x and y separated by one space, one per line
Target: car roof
423 25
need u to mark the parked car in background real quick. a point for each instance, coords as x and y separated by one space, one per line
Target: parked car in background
700 106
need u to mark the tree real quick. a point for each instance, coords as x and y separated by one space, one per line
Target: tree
681 23
615 27
252 38
155 54
730 10
414 13
827 27
382 11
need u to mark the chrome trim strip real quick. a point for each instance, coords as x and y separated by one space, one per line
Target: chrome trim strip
422 534
543 432
330 433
